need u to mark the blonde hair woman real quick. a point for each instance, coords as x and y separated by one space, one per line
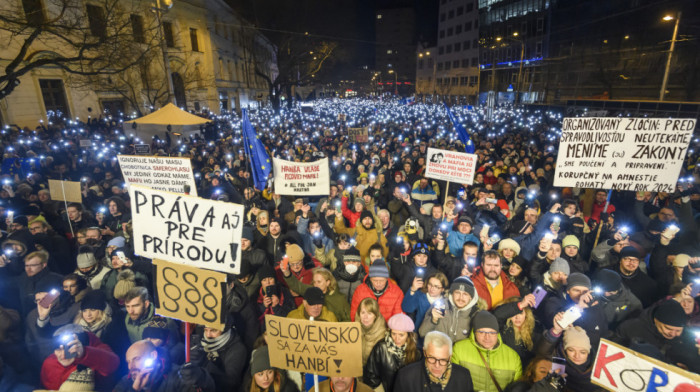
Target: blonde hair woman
519 329
373 325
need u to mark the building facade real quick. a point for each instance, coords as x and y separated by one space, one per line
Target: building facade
395 31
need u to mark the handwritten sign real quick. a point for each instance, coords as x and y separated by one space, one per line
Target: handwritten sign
451 166
326 349
190 294
85 143
301 178
618 368
358 135
65 190
162 173
188 230
142 149
631 154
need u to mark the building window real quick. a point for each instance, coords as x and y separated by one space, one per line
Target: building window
460 10
33 12
475 43
137 28
420 64
465 63
442 17
96 20
168 34
448 49
540 25
455 64
473 80
476 23
458 29
463 80
475 61
448 65
468 26
458 46
193 40
439 67
455 80
467 45
430 63
538 49
470 7
450 14
441 50
523 28
442 33
54 96
450 32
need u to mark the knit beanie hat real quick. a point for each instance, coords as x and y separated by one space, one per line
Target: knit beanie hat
401 322
560 265
359 200
314 296
260 360
681 260
119 242
157 329
365 214
608 280
630 251
420 248
484 319
570 240
126 280
578 279
94 299
294 253
86 260
576 337
671 313
465 219
266 271
509 243
81 379
352 254
463 283
519 227
378 269
247 233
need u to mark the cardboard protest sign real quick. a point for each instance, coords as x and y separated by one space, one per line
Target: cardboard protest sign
358 135
188 230
301 178
190 294
318 347
142 149
65 191
632 154
162 173
620 369
451 166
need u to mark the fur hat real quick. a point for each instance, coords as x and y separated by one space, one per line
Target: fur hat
509 243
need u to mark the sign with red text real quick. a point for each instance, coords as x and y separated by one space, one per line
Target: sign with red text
618 368
450 166
317 347
162 173
301 178
358 135
622 153
197 232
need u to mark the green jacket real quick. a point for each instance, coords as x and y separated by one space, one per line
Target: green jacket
335 301
300 314
136 328
503 361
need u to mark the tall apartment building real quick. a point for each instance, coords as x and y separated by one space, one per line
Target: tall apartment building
395 37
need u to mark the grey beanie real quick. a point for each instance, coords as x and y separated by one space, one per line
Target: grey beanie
485 319
260 360
578 279
560 265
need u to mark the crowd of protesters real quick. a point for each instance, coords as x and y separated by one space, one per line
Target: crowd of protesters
455 288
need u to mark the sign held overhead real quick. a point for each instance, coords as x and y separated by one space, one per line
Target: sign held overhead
452 166
358 135
162 173
188 230
301 178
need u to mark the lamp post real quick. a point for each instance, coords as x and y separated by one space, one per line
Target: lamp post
520 70
670 53
166 63
396 80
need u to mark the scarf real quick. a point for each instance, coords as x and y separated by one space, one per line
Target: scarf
98 327
212 346
399 352
375 292
442 380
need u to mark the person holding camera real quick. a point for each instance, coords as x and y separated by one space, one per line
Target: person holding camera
272 297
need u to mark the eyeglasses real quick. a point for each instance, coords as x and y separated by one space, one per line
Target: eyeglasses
434 286
433 361
32 265
296 264
487 333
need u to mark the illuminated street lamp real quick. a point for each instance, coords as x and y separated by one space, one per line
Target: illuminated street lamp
670 53
396 81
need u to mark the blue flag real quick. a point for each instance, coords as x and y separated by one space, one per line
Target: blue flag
461 132
254 149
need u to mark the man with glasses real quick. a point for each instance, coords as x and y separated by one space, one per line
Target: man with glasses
492 364
35 274
437 372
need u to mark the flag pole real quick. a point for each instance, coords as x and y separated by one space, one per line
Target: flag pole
600 224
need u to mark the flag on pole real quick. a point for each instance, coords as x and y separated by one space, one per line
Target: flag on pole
461 132
259 160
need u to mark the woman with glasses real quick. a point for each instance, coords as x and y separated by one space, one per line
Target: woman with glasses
422 296
397 349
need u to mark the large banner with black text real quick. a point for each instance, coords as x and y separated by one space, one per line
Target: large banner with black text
302 178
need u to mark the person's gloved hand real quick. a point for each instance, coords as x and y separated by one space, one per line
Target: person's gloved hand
197 355
190 374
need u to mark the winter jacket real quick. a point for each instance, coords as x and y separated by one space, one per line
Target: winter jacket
285 305
111 279
271 247
503 361
417 304
382 366
363 237
335 302
409 271
349 213
39 336
399 212
94 277
620 307
480 284
604 256
172 382
347 283
308 246
578 377
593 320
425 197
456 323
389 301
414 378
305 276
28 284
98 357
255 257
300 314
456 240
227 367
135 328
641 285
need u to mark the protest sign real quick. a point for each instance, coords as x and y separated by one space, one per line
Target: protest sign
301 178
618 368
318 347
188 230
358 135
631 154
162 173
450 166
190 294
85 143
142 149
68 191
341 116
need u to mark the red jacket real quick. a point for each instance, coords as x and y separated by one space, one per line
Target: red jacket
98 357
389 302
509 288
349 213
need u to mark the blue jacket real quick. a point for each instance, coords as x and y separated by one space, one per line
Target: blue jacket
309 247
418 303
456 240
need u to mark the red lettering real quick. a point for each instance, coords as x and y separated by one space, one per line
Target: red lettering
603 361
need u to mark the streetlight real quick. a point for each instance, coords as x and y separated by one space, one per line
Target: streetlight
161 7
396 81
670 53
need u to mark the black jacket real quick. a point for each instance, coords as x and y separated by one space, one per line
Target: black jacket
228 367
641 285
593 320
414 378
503 313
28 286
381 367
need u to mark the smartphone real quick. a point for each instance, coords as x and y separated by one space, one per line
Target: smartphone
65 339
11 216
623 233
338 206
491 200
493 239
695 290
440 306
121 256
420 273
539 294
555 224
284 264
49 298
559 364
572 314
673 229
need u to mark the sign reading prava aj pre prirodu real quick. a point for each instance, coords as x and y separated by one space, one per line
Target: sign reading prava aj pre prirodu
631 154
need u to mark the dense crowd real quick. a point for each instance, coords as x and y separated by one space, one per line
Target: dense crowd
506 284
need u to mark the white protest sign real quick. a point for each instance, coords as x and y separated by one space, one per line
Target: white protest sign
618 368
188 230
301 178
358 135
162 173
450 166
632 154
